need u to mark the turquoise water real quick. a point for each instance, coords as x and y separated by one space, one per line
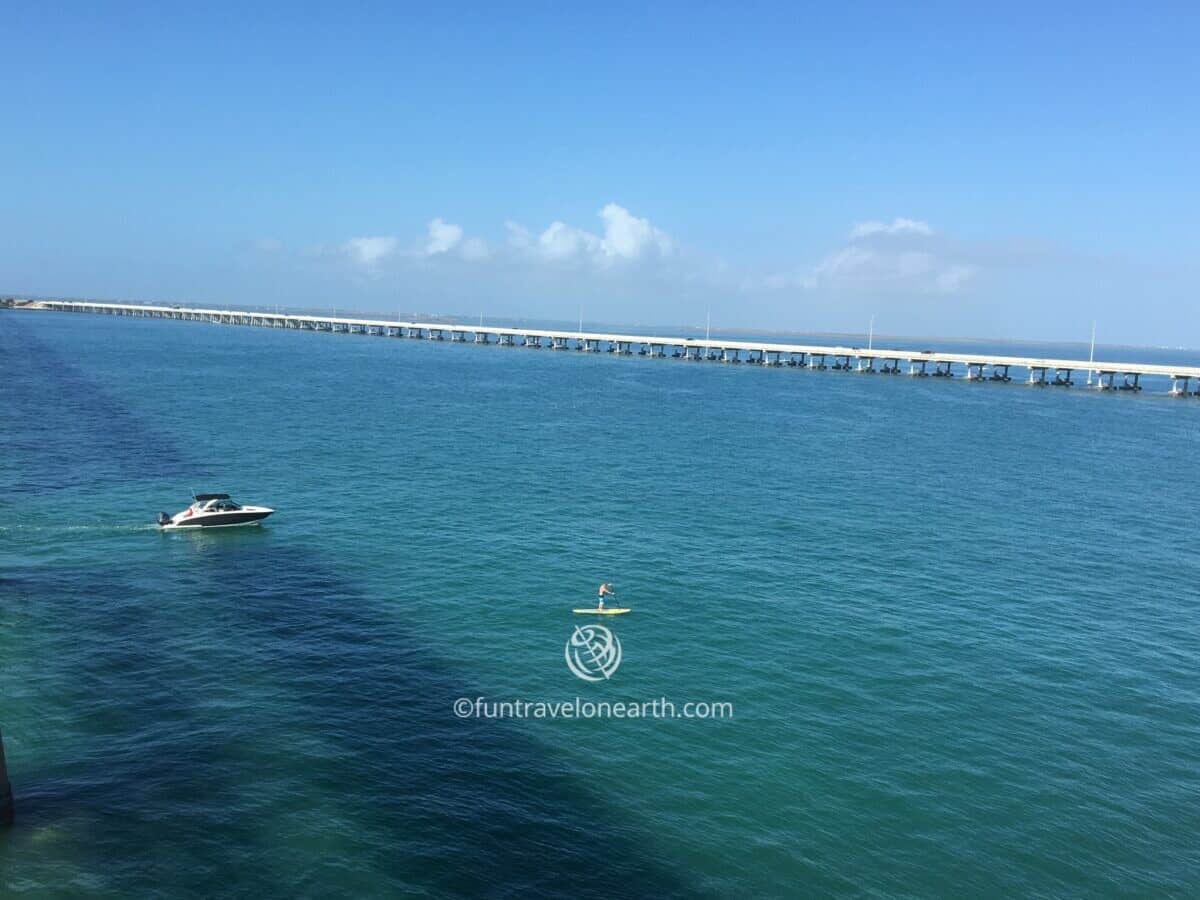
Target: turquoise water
956 622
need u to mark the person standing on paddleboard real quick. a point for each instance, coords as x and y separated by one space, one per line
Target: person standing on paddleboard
605 591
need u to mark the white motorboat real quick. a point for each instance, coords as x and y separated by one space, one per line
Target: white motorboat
214 511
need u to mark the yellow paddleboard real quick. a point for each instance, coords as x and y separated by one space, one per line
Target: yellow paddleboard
608 611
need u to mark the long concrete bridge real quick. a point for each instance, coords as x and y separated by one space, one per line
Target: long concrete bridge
1109 375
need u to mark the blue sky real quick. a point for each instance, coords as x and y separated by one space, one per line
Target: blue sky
1015 172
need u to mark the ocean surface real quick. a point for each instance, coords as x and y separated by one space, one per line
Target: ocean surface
957 624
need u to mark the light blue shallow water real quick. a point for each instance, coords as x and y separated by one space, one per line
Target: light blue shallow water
957 624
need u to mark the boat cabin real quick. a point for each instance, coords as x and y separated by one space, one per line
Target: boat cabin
214 503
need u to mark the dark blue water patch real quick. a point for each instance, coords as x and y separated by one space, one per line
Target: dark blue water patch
460 806
258 691
53 411
141 795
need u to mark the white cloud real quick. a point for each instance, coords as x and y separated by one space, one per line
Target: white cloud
847 261
872 265
368 251
518 235
442 237
897 226
950 280
629 237
624 237
901 257
561 241
474 250
905 256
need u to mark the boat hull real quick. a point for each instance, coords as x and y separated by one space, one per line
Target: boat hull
237 519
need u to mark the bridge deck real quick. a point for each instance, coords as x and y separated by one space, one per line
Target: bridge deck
864 357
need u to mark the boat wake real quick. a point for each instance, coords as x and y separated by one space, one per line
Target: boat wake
96 529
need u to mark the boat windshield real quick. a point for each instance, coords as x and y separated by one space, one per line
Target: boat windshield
221 506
